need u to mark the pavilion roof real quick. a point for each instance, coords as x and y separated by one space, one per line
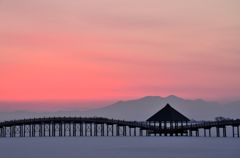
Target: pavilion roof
168 113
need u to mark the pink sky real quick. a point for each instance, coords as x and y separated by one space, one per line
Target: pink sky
119 49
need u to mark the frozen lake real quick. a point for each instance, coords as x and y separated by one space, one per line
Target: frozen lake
119 147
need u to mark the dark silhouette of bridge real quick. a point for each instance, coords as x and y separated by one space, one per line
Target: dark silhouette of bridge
175 125
78 126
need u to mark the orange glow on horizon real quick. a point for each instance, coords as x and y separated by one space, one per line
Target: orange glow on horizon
90 51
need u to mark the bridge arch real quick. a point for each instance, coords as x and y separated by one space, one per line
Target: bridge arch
72 126
99 126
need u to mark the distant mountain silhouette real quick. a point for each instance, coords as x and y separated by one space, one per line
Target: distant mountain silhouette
143 108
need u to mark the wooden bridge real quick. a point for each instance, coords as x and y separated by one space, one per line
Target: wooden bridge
98 126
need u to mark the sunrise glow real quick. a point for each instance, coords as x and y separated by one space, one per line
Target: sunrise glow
110 50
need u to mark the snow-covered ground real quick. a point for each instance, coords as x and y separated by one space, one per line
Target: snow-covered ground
120 147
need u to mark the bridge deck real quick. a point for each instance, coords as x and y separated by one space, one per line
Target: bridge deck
93 126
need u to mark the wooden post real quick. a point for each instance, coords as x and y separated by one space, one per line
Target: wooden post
24 130
117 130
34 130
49 130
74 129
154 125
190 132
64 129
102 128
171 127
30 130
197 132
135 132
141 132
1 132
182 128
3 135
53 129
218 131
160 128
70 129
14 131
85 125
186 124
224 131
61 129
11 131
107 130
165 128
233 131
4 131
13 127
238 131
90 125
176 128
40 129
43 129
112 130
81 129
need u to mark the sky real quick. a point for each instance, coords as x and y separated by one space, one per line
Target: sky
114 50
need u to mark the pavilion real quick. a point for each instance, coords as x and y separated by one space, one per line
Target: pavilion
168 117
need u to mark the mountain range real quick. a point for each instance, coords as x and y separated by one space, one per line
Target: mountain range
143 108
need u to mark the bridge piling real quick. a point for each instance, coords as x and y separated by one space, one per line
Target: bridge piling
40 130
107 130
154 125
217 131
190 133
74 130
141 132
95 129
233 133
61 129
117 130
224 131
53 129
64 129
238 131
197 132
44 130
85 129
24 133
102 130
20 130
1 132
124 131
10 129
49 129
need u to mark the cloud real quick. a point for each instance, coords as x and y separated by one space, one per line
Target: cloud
116 21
